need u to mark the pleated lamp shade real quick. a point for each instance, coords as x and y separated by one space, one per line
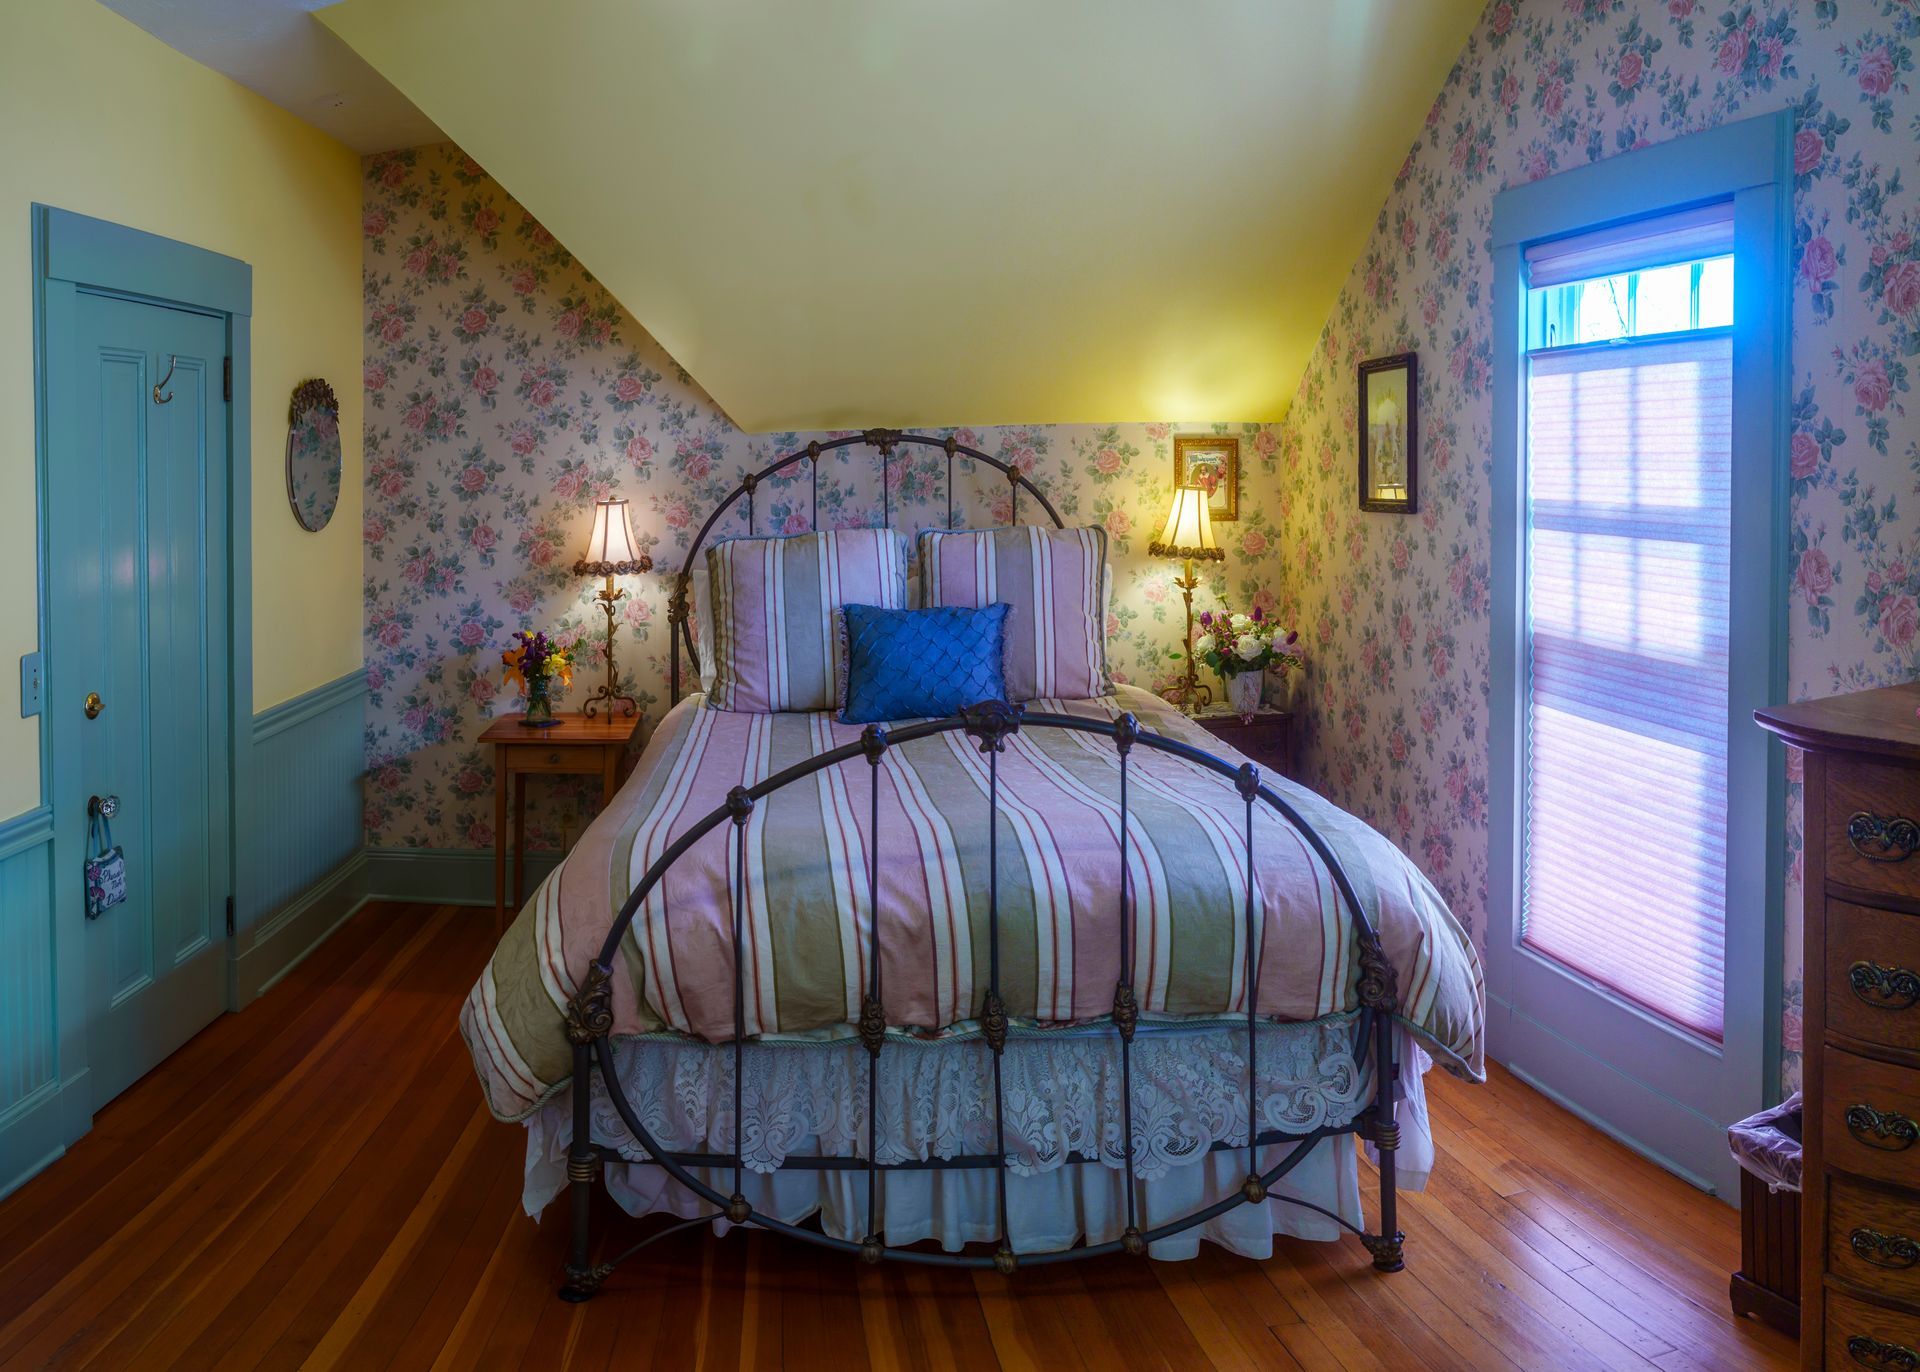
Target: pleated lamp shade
1189 531
610 550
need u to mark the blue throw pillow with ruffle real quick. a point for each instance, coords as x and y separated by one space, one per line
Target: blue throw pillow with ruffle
922 664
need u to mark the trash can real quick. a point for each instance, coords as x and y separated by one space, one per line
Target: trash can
1767 1147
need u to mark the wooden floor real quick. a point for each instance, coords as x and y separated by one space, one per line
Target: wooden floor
315 1183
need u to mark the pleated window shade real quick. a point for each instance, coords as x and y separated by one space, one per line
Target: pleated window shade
1629 462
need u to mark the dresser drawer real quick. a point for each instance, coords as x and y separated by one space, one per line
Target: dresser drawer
536 757
1860 1335
1870 1119
1873 974
1873 1239
1873 826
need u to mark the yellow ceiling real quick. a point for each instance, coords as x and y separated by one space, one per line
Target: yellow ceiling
838 213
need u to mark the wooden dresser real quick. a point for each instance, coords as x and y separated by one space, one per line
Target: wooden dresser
1860 1210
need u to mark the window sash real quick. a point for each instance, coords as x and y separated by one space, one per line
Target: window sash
1626 662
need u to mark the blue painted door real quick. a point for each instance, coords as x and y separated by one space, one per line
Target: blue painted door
138 554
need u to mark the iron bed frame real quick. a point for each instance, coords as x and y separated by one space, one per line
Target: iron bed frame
589 1014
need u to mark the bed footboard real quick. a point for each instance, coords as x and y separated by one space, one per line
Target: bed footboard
589 1025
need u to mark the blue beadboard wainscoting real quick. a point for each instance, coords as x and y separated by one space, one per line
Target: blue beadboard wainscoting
33 1123
301 866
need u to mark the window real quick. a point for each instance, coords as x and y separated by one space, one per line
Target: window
1629 470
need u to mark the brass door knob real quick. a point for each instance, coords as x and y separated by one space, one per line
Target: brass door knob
94 705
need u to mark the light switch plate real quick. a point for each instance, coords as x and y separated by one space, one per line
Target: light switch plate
32 680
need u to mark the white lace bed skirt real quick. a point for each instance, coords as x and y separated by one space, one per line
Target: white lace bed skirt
1063 1101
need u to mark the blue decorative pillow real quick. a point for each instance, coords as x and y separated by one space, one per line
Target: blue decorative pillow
913 664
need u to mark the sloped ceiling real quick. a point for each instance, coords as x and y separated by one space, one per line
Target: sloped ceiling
840 213
275 49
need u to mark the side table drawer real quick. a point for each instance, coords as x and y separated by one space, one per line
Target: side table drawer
1870 1119
536 757
1873 975
1873 1239
1873 826
1860 1335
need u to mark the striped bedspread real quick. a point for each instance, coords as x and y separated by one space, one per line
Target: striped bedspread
808 914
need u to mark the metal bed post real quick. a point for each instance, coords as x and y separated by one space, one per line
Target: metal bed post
991 722
1126 1010
1247 782
1377 992
739 809
589 1017
873 1014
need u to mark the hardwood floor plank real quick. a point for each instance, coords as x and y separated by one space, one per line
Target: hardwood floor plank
316 1183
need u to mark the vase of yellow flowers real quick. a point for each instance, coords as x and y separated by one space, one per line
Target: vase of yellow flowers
1241 648
532 665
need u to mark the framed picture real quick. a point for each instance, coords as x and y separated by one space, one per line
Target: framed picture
1211 461
1390 434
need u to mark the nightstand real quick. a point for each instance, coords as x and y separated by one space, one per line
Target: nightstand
573 746
1266 739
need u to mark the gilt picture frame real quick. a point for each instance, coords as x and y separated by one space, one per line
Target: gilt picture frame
1212 461
1389 423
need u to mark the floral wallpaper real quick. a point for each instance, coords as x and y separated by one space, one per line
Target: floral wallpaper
506 391
1396 609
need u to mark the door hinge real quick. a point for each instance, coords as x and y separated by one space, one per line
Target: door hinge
226 379
229 916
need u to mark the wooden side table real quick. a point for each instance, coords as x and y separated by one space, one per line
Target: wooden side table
1266 739
575 746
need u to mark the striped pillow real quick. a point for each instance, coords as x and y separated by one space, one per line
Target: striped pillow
774 644
1057 628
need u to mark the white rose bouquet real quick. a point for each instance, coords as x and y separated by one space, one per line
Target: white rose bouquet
1231 643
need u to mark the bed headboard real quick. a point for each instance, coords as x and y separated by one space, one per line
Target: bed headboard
680 631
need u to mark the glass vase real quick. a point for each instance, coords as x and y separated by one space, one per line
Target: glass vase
539 711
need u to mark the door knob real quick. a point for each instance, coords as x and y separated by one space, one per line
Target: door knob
105 807
93 705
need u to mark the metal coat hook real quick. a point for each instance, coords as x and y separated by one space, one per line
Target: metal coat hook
158 398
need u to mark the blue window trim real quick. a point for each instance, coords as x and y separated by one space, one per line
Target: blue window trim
1749 162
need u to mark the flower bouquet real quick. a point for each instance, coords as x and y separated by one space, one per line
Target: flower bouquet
1242 648
532 666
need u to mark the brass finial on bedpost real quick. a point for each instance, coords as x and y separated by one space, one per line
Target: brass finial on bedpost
590 1008
1378 985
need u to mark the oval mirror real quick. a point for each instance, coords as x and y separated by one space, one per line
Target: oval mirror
313 454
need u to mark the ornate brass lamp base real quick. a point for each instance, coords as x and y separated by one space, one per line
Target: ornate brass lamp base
1190 693
609 695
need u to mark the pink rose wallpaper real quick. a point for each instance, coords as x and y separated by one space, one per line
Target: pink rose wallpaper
506 391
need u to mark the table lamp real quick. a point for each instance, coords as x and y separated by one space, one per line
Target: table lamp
610 553
1189 536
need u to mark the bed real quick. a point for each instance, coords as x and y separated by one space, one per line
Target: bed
959 1019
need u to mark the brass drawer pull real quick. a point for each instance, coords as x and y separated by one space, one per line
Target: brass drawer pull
1883 840
1896 1251
1883 1129
553 759
1878 1353
1884 988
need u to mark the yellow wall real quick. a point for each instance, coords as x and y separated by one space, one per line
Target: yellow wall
98 117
